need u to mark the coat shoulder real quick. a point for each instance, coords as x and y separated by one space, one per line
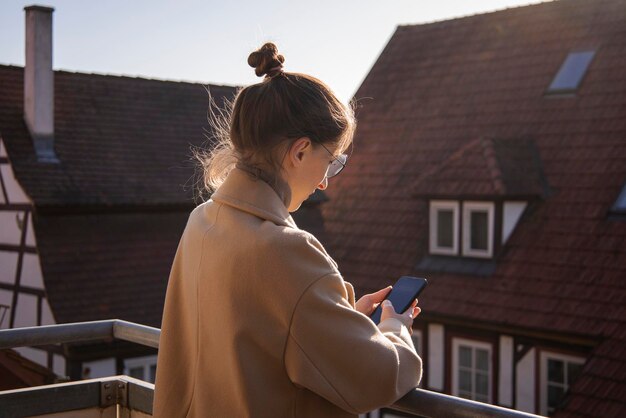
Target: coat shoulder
296 250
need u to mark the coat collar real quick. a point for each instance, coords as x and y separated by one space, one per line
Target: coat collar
253 195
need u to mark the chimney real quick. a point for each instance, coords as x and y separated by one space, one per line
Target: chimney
39 82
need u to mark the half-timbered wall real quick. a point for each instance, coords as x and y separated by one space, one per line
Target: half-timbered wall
23 301
517 365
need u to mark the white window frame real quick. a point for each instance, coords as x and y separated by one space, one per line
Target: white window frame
419 347
145 362
544 357
435 206
456 343
417 335
468 208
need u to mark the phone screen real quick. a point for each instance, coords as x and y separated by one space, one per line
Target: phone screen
405 290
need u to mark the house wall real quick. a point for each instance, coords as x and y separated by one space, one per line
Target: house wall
525 382
515 371
23 301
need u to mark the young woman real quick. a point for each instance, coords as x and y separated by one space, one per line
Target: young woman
258 321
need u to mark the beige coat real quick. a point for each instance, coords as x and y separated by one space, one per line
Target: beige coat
258 321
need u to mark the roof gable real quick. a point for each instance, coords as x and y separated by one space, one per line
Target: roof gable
486 168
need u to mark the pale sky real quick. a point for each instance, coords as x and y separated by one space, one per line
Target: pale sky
209 41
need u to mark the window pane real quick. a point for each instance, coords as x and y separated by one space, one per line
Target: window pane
465 356
152 373
136 372
481 398
482 384
445 220
478 230
465 380
572 71
555 393
466 395
482 360
555 371
573 370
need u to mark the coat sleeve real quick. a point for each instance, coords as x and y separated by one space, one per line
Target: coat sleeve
340 354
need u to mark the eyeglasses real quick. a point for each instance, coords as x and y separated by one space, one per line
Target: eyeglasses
336 165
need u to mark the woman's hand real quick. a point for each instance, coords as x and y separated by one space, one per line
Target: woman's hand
406 318
369 302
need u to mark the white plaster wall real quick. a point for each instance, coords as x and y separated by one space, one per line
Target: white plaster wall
58 365
505 373
47 318
8 266
31 272
10 232
100 368
3 151
14 190
41 357
511 213
436 353
26 307
525 383
33 354
26 311
30 233
6 298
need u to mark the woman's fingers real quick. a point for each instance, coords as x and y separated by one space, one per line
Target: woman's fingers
410 308
380 295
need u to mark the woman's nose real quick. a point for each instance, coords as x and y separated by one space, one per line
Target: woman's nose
324 184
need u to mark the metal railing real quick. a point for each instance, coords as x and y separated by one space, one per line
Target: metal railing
136 395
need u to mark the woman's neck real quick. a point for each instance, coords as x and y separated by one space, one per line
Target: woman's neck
279 185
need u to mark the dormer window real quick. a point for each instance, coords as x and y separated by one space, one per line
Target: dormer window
478 228
444 227
571 72
476 197
468 228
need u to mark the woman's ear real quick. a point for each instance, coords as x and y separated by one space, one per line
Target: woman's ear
298 150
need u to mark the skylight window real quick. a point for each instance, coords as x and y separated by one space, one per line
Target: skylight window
571 72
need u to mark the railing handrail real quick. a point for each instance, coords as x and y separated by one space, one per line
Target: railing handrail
79 332
421 402
426 403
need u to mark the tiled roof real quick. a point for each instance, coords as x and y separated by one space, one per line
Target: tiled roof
109 216
486 168
20 372
108 265
438 88
120 140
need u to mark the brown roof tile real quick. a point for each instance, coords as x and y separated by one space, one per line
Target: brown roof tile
108 217
438 91
120 140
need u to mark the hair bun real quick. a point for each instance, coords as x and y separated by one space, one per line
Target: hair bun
265 59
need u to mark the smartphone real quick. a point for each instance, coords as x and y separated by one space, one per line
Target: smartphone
404 292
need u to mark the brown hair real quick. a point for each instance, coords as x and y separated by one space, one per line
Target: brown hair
272 114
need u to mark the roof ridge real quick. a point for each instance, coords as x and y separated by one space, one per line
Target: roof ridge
126 76
452 157
493 166
470 15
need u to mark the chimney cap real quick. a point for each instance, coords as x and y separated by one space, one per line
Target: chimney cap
40 8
